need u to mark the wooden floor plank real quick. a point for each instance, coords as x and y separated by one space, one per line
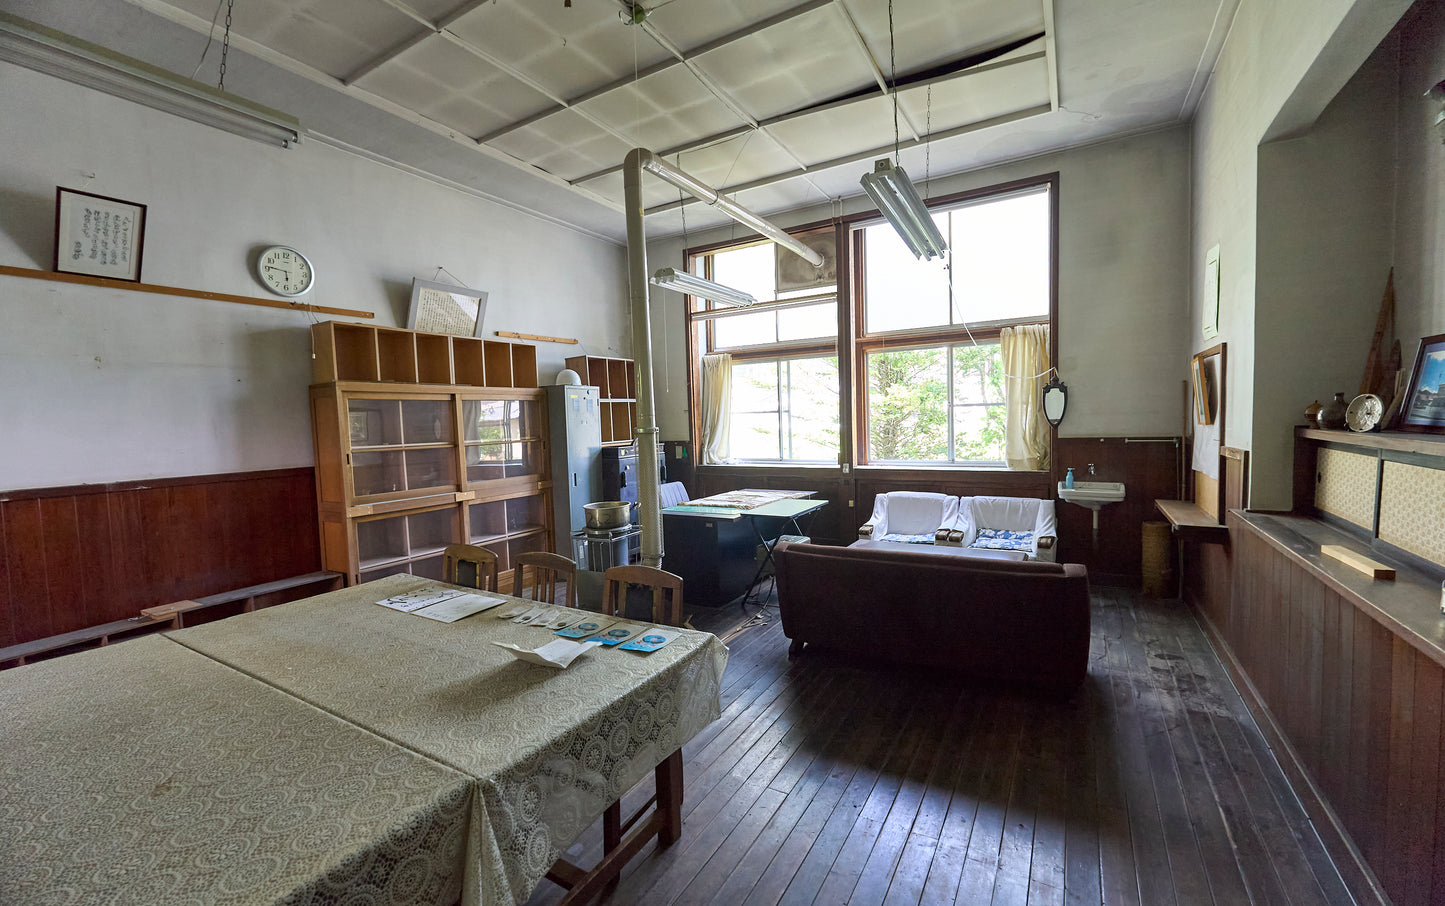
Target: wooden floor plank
833 780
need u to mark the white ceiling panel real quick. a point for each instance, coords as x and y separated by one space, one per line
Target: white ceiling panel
834 132
334 36
568 50
928 32
663 110
791 65
693 23
566 145
445 83
970 99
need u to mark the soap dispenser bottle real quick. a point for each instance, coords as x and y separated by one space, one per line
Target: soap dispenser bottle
1069 479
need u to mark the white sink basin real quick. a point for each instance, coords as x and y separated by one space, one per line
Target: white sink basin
1092 494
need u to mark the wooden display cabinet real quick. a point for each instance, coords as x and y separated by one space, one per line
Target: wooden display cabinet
404 470
616 382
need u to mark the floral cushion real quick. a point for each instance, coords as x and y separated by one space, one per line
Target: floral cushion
908 539
1004 540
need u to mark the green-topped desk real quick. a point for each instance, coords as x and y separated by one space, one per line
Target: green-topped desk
714 548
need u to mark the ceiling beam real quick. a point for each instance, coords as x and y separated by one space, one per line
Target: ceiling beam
859 98
861 156
884 81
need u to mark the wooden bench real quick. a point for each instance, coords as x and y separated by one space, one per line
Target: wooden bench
156 619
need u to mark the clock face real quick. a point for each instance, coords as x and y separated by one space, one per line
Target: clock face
285 271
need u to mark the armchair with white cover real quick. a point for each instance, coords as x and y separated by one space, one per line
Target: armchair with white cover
911 517
1024 524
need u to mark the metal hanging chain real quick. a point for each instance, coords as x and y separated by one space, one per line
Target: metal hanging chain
226 45
893 82
927 140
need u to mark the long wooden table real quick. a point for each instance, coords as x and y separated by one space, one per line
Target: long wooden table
537 754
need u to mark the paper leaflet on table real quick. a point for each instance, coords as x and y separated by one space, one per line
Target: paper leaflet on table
556 653
442 606
650 640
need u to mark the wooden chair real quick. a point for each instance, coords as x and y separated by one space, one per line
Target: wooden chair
466 564
548 570
666 608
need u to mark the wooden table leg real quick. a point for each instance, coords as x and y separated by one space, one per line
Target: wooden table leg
669 798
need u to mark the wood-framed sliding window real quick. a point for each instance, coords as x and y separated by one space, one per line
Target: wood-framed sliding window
920 380
930 376
784 403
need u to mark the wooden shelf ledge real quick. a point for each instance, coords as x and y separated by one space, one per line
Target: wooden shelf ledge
1191 523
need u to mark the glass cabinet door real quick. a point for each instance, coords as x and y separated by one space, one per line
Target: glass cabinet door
502 439
401 446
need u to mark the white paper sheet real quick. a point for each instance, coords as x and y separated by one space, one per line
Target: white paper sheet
457 607
556 653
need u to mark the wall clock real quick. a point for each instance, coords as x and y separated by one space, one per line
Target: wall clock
285 271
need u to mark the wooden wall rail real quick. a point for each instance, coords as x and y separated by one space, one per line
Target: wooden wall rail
1349 678
82 556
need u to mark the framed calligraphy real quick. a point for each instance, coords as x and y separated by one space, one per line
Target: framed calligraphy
98 236
444 308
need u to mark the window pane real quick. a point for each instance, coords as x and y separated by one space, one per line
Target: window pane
1000 253
755 411
908 405
978 414
786 410
902 292
749 269
811 422
755 328
808 322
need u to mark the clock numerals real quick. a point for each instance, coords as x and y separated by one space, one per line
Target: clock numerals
285 271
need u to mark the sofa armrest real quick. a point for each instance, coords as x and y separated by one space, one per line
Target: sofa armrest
1046 548
941 536
865 531
1047 542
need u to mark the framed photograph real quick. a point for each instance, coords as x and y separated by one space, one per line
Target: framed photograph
445 308
98 236
1424 407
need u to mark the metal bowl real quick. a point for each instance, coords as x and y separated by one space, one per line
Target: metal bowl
607 514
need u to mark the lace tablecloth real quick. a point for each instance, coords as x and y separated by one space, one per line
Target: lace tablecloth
548 749
144 773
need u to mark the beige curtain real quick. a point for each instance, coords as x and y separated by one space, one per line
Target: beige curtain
1025 364
717 393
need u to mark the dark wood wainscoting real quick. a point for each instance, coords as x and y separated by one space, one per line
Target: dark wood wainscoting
81 556
1352 705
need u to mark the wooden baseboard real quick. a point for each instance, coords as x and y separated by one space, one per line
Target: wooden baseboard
1353 869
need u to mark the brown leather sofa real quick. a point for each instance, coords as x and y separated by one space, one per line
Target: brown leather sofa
1019 623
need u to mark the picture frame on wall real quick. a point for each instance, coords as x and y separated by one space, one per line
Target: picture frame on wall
446 308
98 236
1424 407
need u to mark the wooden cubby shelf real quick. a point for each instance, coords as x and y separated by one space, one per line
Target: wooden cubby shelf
362 352
616 383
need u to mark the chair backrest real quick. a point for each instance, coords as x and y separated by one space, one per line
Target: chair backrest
469 565
915 512
666 592
672 493
548 570
1014 514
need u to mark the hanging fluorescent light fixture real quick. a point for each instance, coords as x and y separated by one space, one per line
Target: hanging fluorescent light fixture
45 50
893 192
683 282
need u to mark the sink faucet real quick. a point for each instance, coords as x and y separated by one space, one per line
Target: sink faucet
1091 470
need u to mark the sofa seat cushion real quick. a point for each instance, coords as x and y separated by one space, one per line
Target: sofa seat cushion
1004 540
900 538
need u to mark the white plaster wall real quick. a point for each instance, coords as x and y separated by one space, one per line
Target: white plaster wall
1123 290
1324 239
1420 193
99 385
1287 56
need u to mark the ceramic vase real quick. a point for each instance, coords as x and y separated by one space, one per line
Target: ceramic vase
1332 416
